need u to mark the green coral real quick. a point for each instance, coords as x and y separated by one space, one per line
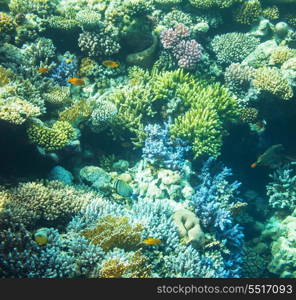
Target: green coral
233 47
248 12
6 23
39 7
210 107
271 80
206 4
51 139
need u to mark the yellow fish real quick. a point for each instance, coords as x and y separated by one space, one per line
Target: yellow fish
76 81
110 64
152 241
42 70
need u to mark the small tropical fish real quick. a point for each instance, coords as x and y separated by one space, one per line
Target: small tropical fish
42 70
122 188
152 241
76 81
253 165
41 237
110 64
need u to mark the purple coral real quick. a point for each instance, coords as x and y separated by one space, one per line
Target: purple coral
187 52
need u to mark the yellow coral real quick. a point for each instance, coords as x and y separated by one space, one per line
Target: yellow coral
58 95
77 113
135 267
86 67
6 23
51 139
281 54
113 232
16 110
248 12
271 80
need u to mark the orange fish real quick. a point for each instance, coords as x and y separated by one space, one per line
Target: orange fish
253 165
110 64
76 81
151 241
42 70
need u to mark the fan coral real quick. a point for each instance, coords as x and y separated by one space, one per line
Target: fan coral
17 111
271 80
233 47
51 139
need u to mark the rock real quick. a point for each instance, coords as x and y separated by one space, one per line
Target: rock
61 174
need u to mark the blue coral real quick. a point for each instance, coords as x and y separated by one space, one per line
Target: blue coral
216 216
65 70
160 150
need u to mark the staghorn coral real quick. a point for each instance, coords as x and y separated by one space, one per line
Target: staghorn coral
110 232
271 80
17 111
248 12
51 138
233 47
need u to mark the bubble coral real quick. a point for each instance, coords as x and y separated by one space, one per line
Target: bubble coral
271 80
51 139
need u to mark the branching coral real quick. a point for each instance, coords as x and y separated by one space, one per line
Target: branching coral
58 95
282 189
248 12
281 54
45 202
233 47
39 7
110 232
271 80
17 111
51 139
6 23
